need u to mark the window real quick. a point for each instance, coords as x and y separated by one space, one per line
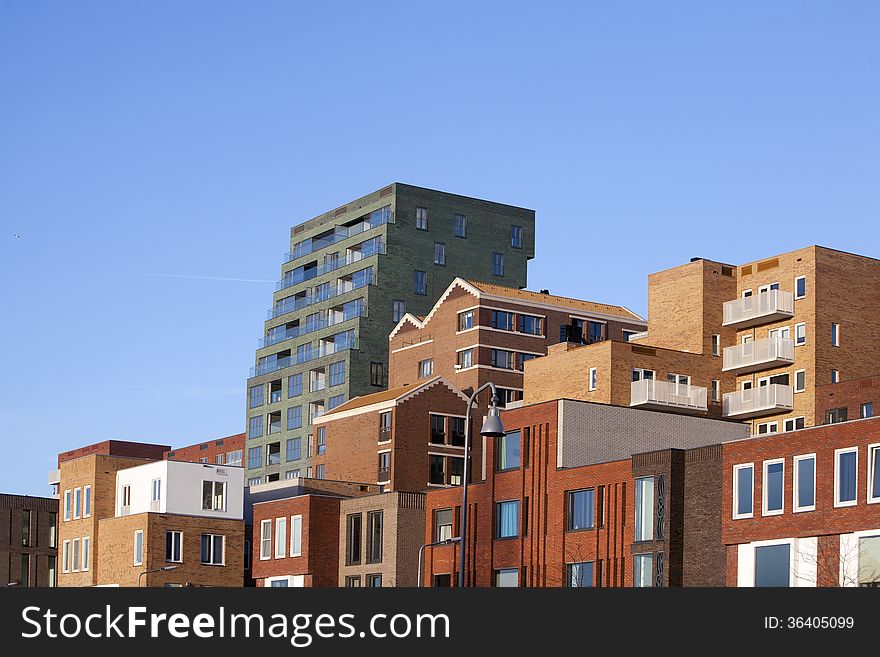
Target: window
398 309
581 509
793 424
384 473
846 463
265 540
643 566
66 505
443 524
77 503
280 538
374 537
353 539
24 578
292 474
294 417
773 565
384 426
139 547
212 549
531 325
800 334
507 519
800 380
507 454
866 410
322 440
465 358
373 581
716 345
869 561
420 282
507 577
497 264
638 374
53 530
213 495
596 332
86 544
255 458
378 375
440 254
835 376
26 528
294 385
173 546
422 218
459 225
716 390
255 396
768 427
579 574
426 368
773 486
644 524
353 581
743 485
255 426
594 378
65 557
255 481
800 287
516 237
321 471
294 449
835 334
295 536
126 497
804 489
337 373
836 415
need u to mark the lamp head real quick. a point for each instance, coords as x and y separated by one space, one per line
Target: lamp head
492 426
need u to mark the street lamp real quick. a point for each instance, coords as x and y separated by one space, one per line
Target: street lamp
445 541
156 570
492 428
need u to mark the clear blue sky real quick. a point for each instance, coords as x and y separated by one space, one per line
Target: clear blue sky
139 140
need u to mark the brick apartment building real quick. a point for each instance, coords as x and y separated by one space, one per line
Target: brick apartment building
799 509
406 438
564 501
296 530
28 540
848 400
479 331
221 451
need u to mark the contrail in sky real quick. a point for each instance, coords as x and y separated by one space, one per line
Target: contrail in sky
212 278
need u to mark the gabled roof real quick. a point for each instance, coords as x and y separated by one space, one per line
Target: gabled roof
392 396
489 291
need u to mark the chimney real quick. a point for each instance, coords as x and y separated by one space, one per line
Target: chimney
545 291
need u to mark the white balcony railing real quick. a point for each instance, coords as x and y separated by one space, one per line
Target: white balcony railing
763 400
761 308
758 355
652 394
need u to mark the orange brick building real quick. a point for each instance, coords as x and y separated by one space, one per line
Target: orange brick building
221 451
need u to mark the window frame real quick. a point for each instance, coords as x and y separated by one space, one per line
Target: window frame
838 503
593 379
569 509
517 530
265 539
296 535
179 546
639 510
872 496
736 512
280 551
421 218
798 389
797 341
212 539
804 295
796 480
440 254
765 511
138 561
835 334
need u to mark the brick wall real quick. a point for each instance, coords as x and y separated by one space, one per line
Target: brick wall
38 549
209 450
849 395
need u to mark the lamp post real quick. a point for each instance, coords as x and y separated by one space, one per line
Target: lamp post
155 570
445 541
492 428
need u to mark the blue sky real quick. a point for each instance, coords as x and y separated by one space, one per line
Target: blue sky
142 140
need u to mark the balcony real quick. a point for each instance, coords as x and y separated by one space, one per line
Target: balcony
384 435
54 477
327 348
761 308
666 395
758 355
373 220
369 248
384 474
290 304
756 402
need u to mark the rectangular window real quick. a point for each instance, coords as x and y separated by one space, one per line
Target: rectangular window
76 554
398 309
516 237
321 438
87 501
77 503
835 334
530 325
139 547
804 488
773 565
594 378
596 332
507 519
213 495
773 486
374 537
65 557
800 380
581 509
507 451
800 287
334 401
294 449
294 385
67 505
443 524
255 396
296 536
465 358
846 462
255 458
466 320
255 426
352 581
866 410
743 486
644 521
378 375
579 574
420 282
280 538
507 577
873 474
426 368
459 225
173 546
212 549
337 373
26 528
643 567
156 490
422 218
800 334
835 376
353 539
126 497
384 470
440 254
294 417
503 320
320 471
716 345
265 540
86 544
53 530
793 424
768 427
373 581
497 264
716 390
836 415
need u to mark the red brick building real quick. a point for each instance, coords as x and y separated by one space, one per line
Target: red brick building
849 400
222 451
800 509
563 501
406 438
480 331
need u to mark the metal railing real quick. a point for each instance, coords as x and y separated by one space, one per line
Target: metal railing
755 401
667 393
371 248
296 359
310 327
758 352
291 304
309 245
773 303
